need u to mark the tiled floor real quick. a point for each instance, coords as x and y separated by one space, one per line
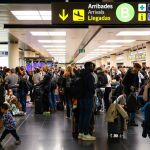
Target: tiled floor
54 133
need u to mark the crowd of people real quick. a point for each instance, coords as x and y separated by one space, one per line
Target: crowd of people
75 87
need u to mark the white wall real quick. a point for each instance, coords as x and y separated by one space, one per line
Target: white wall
4 60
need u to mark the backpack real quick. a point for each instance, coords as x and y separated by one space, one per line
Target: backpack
68 82
102 80
77 88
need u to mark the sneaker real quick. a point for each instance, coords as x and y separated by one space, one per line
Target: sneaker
88 137
80 136
68 118
18 142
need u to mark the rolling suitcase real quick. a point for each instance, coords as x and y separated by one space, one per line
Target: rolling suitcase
75 121
116 127
38 106
38 98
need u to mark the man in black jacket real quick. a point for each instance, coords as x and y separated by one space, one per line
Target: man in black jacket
86 104
131 85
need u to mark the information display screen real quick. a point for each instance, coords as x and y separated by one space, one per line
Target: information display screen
101 13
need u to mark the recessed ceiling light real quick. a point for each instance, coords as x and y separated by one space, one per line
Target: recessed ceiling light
133 33
57 33
120 41
110 46
48 33
25 13
45 13
57 54
98 52
103 50
94 54
39 33
32 15
52 41
56 50
28 17
46 17
55 46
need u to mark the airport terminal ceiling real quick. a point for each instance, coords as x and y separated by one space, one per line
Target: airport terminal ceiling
63 43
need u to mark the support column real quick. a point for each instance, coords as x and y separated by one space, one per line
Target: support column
98 63
127 62
113 60
29 54
13 55
147 54
104 61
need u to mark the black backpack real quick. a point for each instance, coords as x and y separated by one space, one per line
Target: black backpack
77 87
102 80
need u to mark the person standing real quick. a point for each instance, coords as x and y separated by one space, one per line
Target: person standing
11 82
86 103
23 89
107 90
131 85
68 77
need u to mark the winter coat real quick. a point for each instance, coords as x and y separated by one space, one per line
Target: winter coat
113 112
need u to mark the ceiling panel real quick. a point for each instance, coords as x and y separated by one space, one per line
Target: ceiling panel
110 34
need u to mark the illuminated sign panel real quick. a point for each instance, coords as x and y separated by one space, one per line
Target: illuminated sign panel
101 13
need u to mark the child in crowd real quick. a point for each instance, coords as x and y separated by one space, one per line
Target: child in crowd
9 124
14 105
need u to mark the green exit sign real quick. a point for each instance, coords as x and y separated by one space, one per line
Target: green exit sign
81 50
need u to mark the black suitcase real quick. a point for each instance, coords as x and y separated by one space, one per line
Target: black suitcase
38 106
38 98
60 106
117 127
75 121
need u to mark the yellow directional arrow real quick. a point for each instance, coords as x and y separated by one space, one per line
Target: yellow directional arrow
63 16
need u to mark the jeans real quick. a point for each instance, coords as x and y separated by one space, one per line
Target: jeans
22 98
15 92
52 102
140 101
85 113
144 107
13 133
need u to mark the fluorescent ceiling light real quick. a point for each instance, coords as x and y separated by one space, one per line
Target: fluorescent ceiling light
39 33
133 33
110 46
32 15
46 17
52 41
102 50
28 17
57 54
98 52
48 33
56 50
45 13
57 33
120 41
55 46
25 13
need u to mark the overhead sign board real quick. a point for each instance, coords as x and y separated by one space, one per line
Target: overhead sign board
101 13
